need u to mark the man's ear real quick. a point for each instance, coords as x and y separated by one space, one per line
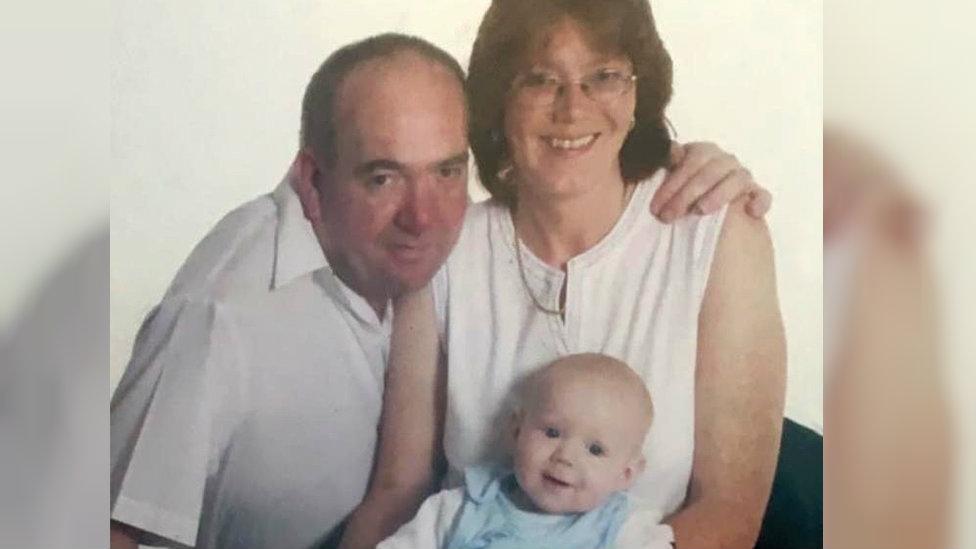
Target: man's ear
307 186
633 470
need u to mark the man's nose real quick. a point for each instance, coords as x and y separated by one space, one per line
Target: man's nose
418 210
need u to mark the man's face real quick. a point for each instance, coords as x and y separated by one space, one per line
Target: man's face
393 202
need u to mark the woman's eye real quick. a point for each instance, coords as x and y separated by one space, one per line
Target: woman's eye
606 75
552 432
538 80
596 450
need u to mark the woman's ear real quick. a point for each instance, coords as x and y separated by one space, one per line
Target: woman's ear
307 186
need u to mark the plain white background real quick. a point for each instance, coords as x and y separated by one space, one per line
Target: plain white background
205 111
204 108
902 78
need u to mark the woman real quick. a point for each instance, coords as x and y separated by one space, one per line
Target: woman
567 99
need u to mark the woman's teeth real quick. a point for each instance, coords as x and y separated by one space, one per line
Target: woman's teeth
570 144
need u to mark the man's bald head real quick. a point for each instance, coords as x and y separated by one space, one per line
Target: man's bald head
318 124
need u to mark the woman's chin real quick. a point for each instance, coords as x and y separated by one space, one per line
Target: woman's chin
566 183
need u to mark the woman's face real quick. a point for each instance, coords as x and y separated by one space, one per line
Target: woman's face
563 140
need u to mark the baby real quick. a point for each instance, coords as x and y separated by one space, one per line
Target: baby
578 433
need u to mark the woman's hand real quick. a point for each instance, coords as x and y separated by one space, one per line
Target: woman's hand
701 179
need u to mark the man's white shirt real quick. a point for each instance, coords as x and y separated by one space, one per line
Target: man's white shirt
247 416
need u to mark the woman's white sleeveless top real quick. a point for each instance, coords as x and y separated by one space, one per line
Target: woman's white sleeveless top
635 296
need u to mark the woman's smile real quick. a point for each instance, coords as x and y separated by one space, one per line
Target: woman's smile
570 143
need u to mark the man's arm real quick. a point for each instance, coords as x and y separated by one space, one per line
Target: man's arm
166 403
410 430
701 179
121 537
739 392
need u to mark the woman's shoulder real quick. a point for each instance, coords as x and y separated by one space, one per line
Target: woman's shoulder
695 231
740 229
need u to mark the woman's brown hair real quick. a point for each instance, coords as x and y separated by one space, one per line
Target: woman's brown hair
510 29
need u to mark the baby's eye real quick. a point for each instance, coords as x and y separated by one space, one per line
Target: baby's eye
552 432
596 450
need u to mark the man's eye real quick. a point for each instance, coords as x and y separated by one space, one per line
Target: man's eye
380 179
552 432
596 450
452 172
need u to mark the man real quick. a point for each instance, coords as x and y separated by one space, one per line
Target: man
247 417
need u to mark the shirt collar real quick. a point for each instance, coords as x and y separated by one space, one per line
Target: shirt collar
299 253
297 249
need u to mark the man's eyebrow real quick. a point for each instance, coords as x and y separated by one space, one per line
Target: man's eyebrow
460 158
378 164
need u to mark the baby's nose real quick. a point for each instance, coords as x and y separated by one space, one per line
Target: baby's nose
563 455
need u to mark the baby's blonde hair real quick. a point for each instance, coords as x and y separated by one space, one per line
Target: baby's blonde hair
602 372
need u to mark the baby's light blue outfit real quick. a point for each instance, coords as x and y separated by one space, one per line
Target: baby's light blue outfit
488 519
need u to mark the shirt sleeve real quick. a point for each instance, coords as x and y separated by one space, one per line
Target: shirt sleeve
165 421
430 527
643 529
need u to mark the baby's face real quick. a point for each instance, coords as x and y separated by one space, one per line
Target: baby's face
575 446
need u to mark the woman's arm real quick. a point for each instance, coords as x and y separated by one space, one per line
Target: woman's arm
739 392
410 428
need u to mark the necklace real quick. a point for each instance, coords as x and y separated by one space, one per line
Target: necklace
561 310
525 282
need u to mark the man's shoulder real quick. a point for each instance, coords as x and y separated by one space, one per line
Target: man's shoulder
480 213
480 220
303 308
235 257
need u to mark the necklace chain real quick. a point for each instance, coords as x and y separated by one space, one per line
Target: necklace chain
561 310
528 289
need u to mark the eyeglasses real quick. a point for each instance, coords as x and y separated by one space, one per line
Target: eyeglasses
540 88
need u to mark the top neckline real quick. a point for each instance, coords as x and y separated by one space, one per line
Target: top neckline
637 206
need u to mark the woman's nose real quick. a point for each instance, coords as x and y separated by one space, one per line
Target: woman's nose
571 98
